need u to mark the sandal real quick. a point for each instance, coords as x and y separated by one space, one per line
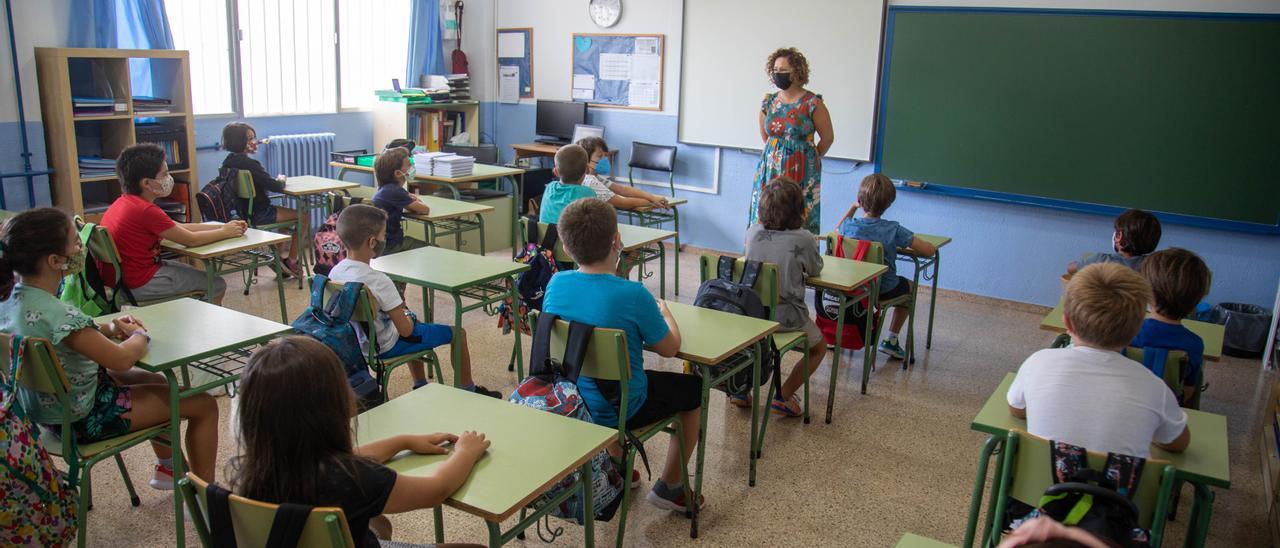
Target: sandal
789 408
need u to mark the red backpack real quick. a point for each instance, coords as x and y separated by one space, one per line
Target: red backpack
827 304
329 250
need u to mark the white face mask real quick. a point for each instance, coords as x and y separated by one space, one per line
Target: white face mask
166 186
410 174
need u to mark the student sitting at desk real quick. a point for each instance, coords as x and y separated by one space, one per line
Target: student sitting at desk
137 225
571 166
295 423
393 170
241 140
619 196
1179 279
109 397
594 295
363 230
1137 233
1090 395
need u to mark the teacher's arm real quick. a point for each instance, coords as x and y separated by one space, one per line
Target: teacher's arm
822 122
764 136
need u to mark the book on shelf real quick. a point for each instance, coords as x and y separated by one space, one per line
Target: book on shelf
97 106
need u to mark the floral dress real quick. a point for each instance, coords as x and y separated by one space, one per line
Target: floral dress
790 151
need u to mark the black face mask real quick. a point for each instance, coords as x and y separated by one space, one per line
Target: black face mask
782 80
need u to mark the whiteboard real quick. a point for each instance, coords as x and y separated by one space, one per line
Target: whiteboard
723 80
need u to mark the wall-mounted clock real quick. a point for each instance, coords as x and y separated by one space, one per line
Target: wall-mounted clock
605 13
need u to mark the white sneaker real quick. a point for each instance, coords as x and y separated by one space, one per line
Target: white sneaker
162 480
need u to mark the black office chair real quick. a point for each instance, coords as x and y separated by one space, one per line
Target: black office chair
653 158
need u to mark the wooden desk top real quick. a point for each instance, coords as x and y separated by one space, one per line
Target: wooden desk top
711 336
1210 333
252 238
184 330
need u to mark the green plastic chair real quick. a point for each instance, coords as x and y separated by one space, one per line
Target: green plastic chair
875 254
252 519
607 359
766 287
1024 475
366 313
103 248
1175 368
42 372
245 190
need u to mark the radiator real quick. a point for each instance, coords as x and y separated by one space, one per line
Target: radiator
299 154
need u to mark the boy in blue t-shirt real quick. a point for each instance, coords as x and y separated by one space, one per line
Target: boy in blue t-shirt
571 166
593 294
874 197
1179 279
393 170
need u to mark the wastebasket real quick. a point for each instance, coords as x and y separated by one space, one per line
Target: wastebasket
1246 329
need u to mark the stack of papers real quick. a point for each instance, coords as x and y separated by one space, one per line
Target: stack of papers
96 166
452 166
459 87
151 105
97 106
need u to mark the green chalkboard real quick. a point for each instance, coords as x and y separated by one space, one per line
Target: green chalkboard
1174 113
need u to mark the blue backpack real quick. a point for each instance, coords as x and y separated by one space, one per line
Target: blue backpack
551 387
331 325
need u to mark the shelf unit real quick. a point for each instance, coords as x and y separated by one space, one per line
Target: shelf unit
391 120
64 73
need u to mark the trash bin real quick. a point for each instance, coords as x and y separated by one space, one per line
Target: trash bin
1246 329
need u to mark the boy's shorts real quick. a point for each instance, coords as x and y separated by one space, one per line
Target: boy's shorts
669 393
425 337
903 287
175 278
106 418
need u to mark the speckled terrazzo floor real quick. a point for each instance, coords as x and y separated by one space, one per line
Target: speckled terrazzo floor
899 459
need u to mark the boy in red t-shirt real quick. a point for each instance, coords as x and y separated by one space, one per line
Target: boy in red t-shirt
137 225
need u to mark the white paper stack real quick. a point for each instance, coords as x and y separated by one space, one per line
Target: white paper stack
452 165
423 161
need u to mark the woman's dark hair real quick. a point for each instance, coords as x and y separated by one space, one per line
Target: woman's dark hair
295 419
235 136
27 239
781 205
799 65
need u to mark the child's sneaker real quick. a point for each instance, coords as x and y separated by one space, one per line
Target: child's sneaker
788 408
487 392
669 499
740 400
890 346
162 479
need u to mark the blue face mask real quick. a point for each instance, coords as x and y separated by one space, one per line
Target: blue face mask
603 167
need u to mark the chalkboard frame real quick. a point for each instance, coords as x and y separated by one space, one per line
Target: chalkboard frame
1039 201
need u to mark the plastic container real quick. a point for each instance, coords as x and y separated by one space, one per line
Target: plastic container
356 157
1246 329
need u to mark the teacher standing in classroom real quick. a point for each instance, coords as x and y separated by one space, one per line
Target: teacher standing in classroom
789 119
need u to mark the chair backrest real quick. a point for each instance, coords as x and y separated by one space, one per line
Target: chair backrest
244 187
1175 365
251 519
1030 475
365 314
875 253
365 193
766 286
653 157
606 358
41 370
103 248
559 252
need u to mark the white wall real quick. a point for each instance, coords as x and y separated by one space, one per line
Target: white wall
37 23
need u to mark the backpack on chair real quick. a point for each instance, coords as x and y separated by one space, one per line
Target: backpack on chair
552 387
737 297
217 200
331 325
827 305
329 250
532 283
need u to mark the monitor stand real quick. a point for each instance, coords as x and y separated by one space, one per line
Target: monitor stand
552 141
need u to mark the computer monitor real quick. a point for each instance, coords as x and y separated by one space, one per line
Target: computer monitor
556 119
582 131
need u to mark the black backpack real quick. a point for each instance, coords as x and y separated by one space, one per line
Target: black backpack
532 283
217 200
737 297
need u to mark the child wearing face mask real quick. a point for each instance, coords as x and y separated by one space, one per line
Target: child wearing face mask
240 140
619 196
363 231
108 396
1136 235
137 225
394 170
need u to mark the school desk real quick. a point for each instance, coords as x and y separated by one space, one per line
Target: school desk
187 333
241 254
911 540
1210 333
922 265
636 241
447 217
852 281
530 450
486 280
310 192
656 217
480 173
710 338
1204 464
548 150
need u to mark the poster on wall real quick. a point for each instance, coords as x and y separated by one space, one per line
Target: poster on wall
618 70
515 51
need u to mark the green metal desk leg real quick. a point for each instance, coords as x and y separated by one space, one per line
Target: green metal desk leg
278 263
1201 513
989 523
835 358
702 444
515 211
211 270
480 219
175 442
675 217
933 296
768 397
439 523
455 349
495 534
515 318
662 270
431 232
752 446
979 484
869 347
585 482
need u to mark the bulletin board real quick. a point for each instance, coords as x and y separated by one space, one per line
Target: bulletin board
515 49
619 70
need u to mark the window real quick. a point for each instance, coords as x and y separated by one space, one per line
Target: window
200 27
288 60
373 47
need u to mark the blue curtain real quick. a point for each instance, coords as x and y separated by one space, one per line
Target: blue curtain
130 24
426 47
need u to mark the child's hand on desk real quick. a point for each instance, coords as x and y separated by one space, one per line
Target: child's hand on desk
471 444
234 229
429 444
125 329
659 202
662 307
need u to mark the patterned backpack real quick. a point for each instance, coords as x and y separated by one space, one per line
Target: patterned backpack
41 503
217 200
329 250
331 325
532 283
550 387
